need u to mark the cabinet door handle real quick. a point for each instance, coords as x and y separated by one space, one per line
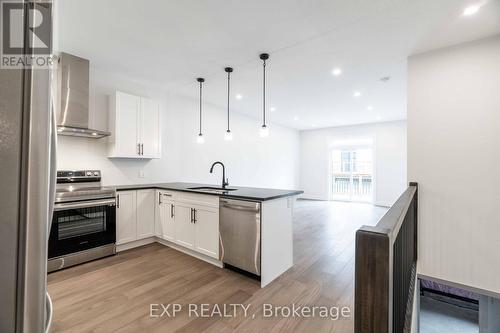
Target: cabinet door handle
118 201
138 149
159 198
192 215
171 210
142 148
194 219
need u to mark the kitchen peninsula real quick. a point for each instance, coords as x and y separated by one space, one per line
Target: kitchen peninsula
246 229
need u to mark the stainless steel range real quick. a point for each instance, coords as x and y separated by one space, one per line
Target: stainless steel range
84 221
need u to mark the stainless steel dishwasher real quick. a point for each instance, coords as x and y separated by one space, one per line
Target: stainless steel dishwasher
240 234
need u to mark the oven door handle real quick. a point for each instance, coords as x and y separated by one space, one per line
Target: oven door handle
84 204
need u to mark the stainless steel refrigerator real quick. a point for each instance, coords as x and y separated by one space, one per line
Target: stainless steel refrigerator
27 172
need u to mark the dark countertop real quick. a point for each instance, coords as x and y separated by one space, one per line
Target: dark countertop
243 193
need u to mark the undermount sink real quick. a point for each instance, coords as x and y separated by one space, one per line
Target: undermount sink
212 189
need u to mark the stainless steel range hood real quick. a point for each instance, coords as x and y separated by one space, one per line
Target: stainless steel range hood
73 118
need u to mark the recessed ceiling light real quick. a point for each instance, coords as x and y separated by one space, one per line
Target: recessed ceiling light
356 94
336 71
239 96
369 108
296 118
272 109
471 10
379 117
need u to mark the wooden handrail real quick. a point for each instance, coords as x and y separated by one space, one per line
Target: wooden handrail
391 222
386 256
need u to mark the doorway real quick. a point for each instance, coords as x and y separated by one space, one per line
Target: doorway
351 175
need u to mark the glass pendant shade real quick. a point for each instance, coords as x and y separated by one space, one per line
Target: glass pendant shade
264 131
200 138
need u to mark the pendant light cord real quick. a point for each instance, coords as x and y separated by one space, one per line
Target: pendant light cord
228 94
264 92
200 104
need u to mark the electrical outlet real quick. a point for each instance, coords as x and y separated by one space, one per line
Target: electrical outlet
141 173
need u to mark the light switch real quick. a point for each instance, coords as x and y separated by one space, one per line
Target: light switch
141 173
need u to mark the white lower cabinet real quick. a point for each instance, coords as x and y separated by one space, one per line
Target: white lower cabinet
126 217
207 231
184 225
188 220
135 215
197 228
145 213
158 228
164 216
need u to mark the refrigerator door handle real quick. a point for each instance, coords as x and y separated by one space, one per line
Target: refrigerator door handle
53 168
50 311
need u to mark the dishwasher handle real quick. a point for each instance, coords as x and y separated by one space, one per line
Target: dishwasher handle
247 206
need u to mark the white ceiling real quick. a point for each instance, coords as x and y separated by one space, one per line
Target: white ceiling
170 43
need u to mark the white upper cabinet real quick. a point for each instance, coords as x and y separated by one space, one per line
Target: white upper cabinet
134 123
124 119
150 129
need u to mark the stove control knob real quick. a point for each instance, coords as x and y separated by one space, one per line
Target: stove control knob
96 173
89 173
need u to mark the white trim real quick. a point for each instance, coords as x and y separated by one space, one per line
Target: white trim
197 255
136 243
382 204
150 240
313 197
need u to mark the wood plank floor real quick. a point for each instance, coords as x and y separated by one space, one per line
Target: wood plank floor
114 294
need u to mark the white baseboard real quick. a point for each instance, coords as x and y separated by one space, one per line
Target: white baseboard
150 240
312 197
136 243
192 253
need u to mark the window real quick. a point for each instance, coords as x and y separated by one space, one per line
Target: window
352 175
348 161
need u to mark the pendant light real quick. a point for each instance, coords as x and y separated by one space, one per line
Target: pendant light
228 136
264 130
200 138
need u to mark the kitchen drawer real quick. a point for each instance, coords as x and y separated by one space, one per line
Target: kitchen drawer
169 195
198 199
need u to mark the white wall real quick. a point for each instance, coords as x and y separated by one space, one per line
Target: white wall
454 155
389 140
250 160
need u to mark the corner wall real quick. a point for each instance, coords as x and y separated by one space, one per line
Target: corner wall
454 155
